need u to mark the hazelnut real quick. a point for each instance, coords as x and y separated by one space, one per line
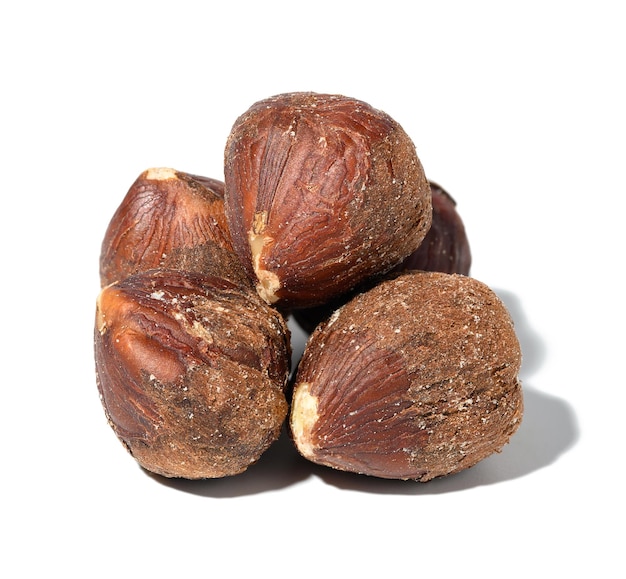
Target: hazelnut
321 192
445 248
167 219
416 378
191 371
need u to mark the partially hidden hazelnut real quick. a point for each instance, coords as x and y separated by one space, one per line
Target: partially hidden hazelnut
445 248
321 192
167 219
192 371
415 379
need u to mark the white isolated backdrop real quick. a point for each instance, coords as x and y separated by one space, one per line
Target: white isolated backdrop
517 109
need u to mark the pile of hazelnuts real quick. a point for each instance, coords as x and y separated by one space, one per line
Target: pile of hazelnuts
324 216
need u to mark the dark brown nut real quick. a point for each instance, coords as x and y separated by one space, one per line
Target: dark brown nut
192 372
167 219
446 246
321 192
414 379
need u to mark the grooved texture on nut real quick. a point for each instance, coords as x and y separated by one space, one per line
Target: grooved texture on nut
413 379
191 371
167 219
321 192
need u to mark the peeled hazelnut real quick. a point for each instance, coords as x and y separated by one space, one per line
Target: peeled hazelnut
321 192
445 248
415 379
167 219
191 371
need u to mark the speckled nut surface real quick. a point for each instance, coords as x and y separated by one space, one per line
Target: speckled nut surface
414 379
167 219
321 192
191 371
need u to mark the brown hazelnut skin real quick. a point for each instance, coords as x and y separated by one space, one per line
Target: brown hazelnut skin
192 371
445 248
167 219
321 192
415 379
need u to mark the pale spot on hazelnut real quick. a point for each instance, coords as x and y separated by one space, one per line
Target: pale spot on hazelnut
200 331
260 222
101 323
269 283
303 418
160 174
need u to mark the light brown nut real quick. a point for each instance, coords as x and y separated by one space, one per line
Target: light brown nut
415 379
191 371
167 219
321 192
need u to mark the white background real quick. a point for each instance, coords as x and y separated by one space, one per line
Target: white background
517 109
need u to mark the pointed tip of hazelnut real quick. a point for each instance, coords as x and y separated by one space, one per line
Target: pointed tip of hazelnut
160 174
